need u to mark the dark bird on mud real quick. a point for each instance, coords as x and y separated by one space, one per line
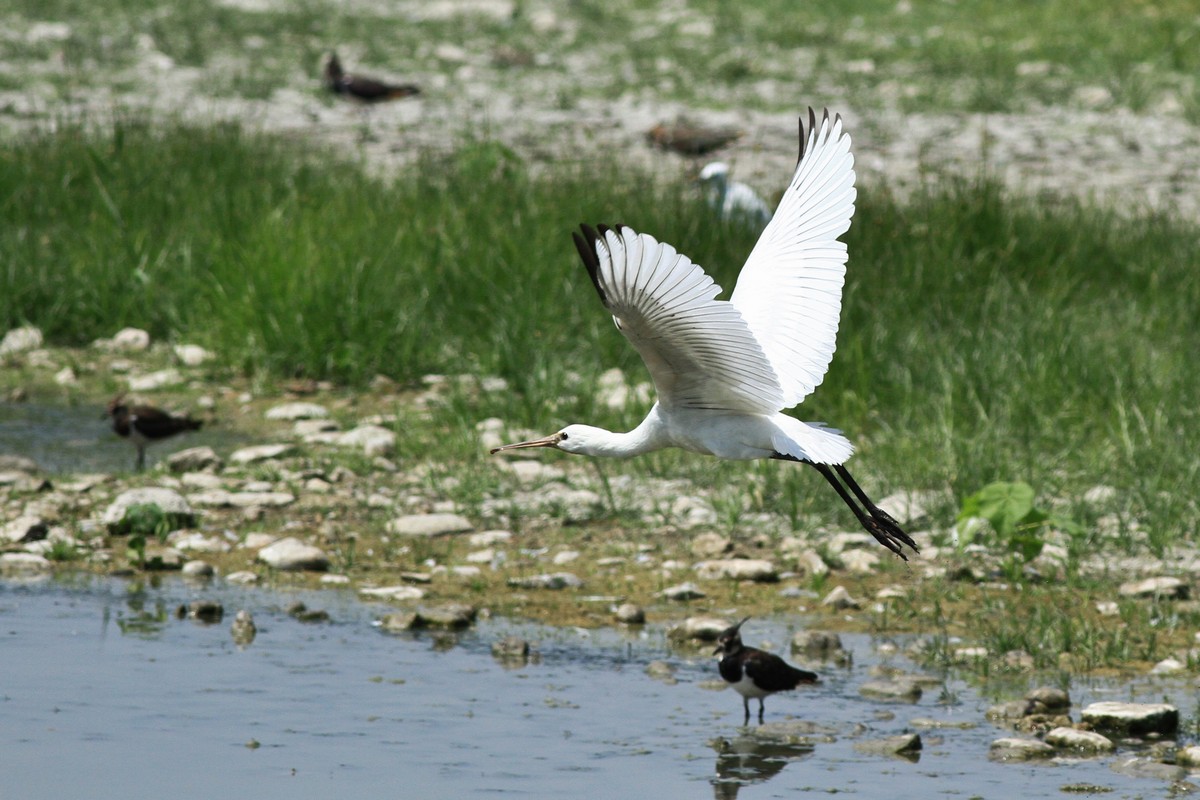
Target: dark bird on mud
690 139
144 425
755 673
362 88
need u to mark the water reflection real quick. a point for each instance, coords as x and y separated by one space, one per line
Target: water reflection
748 759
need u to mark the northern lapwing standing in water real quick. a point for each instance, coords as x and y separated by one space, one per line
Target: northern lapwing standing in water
143 425
362 88
755 673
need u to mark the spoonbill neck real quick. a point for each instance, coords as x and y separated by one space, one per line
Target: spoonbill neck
648 436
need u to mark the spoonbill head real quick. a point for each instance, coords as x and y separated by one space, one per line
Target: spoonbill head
724 370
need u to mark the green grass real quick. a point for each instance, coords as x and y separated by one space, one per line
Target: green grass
984 337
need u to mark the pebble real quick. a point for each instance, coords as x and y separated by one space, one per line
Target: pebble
511 649
260 452
194 459
316 431
556 580
1072 739
705 629
662 671
19 340
819 644
24 529
429 525
1168 666
682 592
488 538
192 355
447 615
711 545
294 411
291 554
24 562
1132 718
131 340
1136 767
198 569
860 562
840 598
178 513
738 569
209 611
373 440
302 613
905 745
1161 588
901 690
630 614
242 577
392 593
243 628
1017 749
154 381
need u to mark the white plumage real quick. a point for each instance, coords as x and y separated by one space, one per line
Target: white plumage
733 200
724 370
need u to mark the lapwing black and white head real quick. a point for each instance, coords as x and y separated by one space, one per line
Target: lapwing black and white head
755 673
360 87
142 424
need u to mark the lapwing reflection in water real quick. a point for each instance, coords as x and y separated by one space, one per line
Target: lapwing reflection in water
752 758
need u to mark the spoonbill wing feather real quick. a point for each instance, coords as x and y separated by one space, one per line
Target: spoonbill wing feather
699 350
790 289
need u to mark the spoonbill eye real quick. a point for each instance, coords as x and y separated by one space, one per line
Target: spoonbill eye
565 437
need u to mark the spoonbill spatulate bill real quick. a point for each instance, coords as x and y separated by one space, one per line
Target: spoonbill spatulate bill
724 370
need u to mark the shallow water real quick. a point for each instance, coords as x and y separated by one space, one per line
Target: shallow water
107 694
80 439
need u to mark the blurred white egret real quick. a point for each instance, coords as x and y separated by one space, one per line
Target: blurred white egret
724 370
733 200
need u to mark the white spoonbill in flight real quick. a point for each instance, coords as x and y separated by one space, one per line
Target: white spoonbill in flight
724 370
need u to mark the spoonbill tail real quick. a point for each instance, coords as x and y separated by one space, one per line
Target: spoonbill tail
724 370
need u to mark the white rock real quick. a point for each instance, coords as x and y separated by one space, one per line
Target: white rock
131 340
318 428
193 459
810 563
171 502
335 580
192 355
18 340
703 628
860 562
65 377
373 439
1168 666
24 562
242 577
489 538
295 411
840 598
1107 608
291 554
692 512
1099 495
152 381
532 471
1132 718
200 543
683 591
1016 749
1161 587
429 525
257 541
738 569
564 557
24 529
392 593
198 569
261 452
1072 739
463 571
483 556
554 580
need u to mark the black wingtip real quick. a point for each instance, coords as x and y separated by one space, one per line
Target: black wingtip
585 242
812 126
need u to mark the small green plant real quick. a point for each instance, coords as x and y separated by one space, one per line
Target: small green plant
63 550
144 520
1019 524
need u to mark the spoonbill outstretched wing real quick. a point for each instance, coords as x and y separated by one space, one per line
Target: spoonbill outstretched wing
724 370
